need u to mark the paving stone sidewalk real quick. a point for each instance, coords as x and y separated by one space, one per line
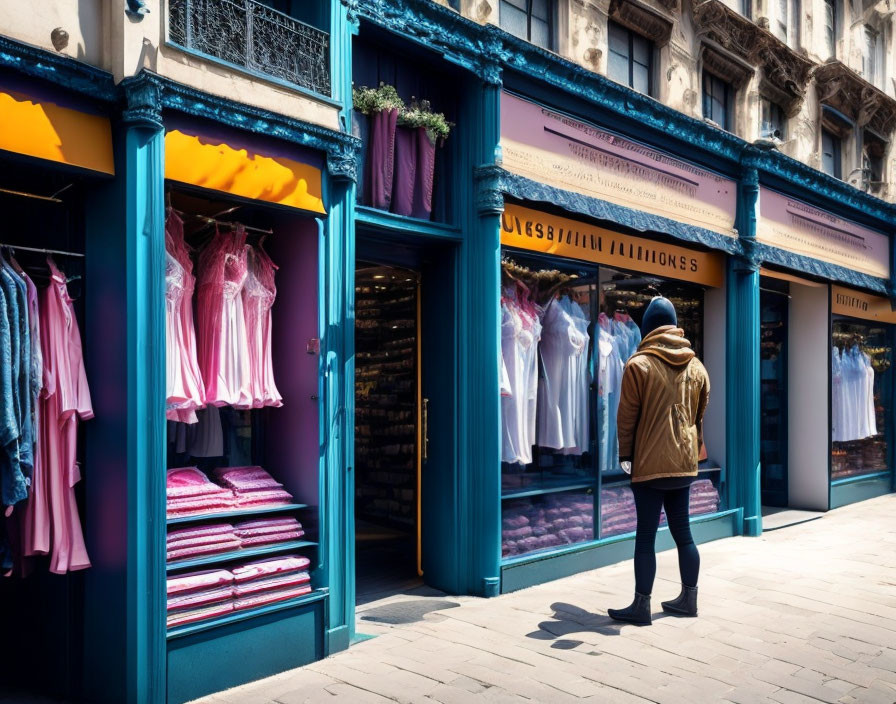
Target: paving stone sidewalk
802 614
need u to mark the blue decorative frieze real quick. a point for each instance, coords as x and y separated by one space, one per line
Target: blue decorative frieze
63 71
457 38
527 190
814 267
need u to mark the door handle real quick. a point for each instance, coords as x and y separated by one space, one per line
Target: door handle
425 448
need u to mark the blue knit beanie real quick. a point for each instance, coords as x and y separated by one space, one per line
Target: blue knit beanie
660 311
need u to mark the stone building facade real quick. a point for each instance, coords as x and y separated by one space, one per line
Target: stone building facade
817 78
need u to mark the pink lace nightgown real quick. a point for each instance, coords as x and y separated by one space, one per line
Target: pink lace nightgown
185 390
259 294
65 397
223 347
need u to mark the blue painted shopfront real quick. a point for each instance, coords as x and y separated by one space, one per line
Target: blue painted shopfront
127 653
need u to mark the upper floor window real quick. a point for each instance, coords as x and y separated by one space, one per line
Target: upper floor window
873 149
785 25
831 154
872 59
830 27
281 39
718 101
532 20
630 59
772 120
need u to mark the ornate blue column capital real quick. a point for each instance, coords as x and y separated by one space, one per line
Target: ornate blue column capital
489 190
143 100
343 159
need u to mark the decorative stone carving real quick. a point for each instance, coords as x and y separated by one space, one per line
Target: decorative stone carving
143 97
785 72
724 66
642 19
846 91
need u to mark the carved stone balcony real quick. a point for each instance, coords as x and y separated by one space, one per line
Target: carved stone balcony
254 37
785 73
844 90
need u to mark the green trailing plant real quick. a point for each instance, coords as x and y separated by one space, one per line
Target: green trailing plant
370 100
420 114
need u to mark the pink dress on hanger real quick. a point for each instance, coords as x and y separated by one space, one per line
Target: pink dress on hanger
259 294
65 398
223 345
185 390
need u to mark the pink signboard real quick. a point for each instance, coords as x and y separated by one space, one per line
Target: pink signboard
553 148
793 225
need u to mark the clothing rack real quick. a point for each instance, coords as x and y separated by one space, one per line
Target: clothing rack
59 252
36 196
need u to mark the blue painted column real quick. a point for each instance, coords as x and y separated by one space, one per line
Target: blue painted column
337 325
125 601
744 332
479 324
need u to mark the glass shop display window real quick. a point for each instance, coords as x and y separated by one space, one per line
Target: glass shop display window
861 397
567 329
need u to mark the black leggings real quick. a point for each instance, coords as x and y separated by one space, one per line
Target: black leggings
648 503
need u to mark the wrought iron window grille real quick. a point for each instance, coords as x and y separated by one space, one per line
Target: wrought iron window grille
253 36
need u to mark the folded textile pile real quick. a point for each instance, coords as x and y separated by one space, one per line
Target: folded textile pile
617 511
554 520
704 499
263 531
253 486
202 595
189 491
195 541
199 595
271 580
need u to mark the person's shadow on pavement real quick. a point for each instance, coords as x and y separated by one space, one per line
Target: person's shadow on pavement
569 619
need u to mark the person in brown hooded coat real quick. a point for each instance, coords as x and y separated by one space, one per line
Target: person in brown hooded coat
665 390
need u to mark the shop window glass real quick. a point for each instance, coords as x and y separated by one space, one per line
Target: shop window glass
631 58
831 162
861 397
567 330
531 20
718 98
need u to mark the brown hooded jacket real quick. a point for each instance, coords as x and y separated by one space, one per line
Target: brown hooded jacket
665 389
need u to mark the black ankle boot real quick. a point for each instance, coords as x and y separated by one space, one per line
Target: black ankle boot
638 612
685 604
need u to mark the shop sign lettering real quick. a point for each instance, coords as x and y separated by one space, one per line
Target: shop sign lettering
552 148
790 224
541 232
856 304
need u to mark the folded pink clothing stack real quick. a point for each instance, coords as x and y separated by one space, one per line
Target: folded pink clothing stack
200 540
269 581
199 595
253 486
263 531
189 492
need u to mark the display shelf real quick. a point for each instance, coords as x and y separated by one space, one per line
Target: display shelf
241 554
236 616
548 489
240 513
